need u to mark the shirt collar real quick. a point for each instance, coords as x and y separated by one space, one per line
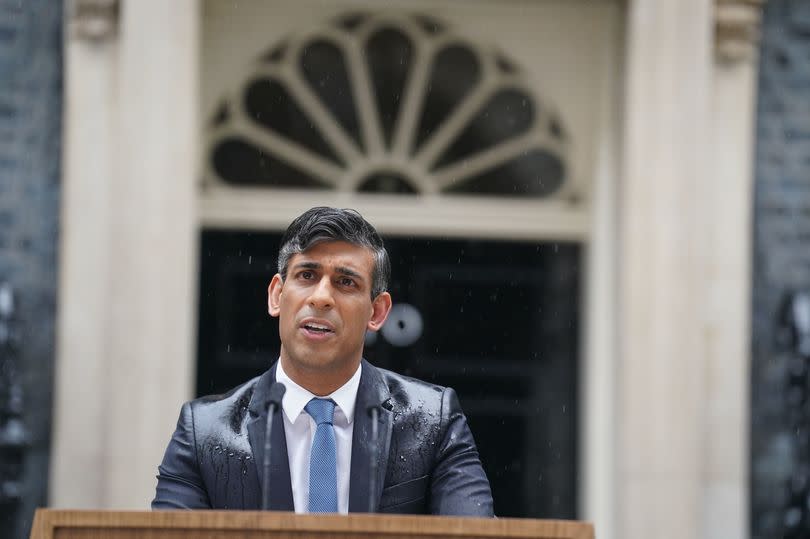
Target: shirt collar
296 397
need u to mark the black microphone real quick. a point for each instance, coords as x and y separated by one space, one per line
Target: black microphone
272 402
374 457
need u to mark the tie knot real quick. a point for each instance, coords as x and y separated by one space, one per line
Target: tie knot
321 410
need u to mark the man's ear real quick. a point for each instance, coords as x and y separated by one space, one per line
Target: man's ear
274 295
381 306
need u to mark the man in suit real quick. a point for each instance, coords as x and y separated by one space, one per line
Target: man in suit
330 290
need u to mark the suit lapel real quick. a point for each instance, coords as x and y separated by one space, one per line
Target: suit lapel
372 392
281 498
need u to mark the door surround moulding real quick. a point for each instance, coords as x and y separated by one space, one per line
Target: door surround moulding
737 29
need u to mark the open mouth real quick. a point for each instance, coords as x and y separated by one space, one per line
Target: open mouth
317 328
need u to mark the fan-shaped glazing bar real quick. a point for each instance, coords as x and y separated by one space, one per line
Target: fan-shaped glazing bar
508 114
419 88
497 155
414 37
336 133
389 54
413 90
363 97
457 68
414 95
238 161
455 123
322 66
282 148
268 102
313 109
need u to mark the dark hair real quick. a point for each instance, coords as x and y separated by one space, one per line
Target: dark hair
322 224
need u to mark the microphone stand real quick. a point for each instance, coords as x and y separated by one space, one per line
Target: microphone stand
274 401
374 412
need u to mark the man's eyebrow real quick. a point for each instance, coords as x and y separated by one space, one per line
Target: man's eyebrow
307 265
343 270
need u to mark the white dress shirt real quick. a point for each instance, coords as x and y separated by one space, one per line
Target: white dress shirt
299 429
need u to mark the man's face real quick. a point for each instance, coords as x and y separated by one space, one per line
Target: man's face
324 308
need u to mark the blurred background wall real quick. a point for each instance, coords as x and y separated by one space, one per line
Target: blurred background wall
781 280
580 217
31 75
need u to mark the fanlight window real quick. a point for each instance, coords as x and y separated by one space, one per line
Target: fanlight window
388 104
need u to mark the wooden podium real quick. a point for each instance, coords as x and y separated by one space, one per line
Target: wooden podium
63 524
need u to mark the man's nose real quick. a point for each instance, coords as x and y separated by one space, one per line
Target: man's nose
321 297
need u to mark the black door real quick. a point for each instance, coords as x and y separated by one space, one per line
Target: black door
497 321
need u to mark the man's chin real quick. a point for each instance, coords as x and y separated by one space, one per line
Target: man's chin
315 359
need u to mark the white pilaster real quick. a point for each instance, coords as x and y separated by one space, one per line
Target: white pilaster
664 209
128 270
726 339
79 433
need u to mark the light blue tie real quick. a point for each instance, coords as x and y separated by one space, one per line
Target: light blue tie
322 458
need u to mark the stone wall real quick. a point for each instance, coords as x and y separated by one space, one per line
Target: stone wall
780 384
30 138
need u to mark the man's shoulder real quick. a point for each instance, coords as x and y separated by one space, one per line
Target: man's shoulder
240 392
407 391
231 406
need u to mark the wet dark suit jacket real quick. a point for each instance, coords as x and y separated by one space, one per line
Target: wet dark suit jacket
215 456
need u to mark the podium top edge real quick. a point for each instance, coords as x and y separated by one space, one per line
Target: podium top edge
379 524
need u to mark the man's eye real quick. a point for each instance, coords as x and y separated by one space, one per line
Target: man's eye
345 281
306 275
